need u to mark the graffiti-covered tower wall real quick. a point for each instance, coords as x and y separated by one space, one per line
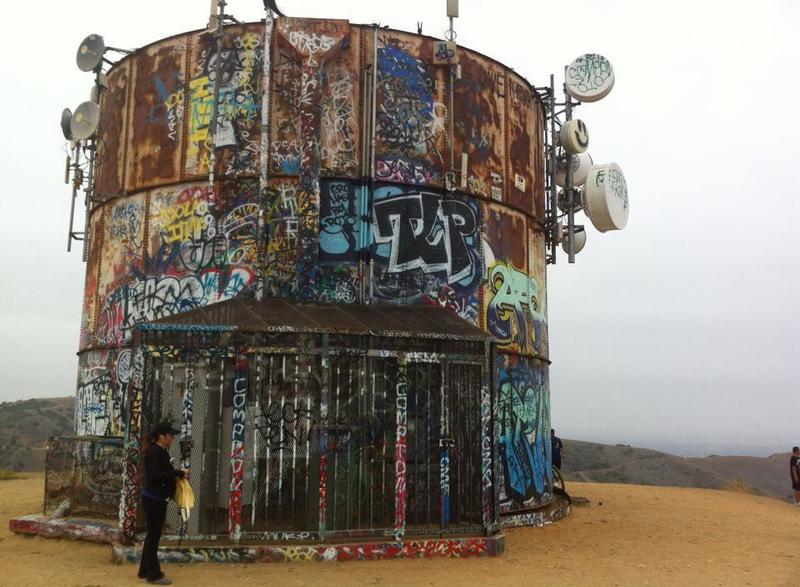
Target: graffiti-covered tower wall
331 159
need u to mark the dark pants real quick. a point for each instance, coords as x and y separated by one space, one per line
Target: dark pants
156 512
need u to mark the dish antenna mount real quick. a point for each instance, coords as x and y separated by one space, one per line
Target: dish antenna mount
91 53
604 193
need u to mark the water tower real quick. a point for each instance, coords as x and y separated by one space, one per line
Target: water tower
321 248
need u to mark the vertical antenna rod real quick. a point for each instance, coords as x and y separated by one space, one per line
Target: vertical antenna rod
568 181
220 34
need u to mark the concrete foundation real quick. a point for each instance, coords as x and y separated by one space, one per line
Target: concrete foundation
433 548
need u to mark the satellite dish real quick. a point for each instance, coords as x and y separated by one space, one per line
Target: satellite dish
574 136
605 197
590 77
577 201
271 4
581 163
579 239
85 120
66 119
90 53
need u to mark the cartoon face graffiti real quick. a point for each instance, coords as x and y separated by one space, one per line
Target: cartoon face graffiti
514 301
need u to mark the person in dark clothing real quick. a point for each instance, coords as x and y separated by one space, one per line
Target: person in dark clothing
794 471
159 487
557 448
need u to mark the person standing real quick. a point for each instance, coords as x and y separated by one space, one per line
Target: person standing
794 471
159 487
557 448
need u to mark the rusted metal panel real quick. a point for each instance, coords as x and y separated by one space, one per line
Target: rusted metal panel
113 132
285 116
520 124
340 105
410 134
504 233
89 317
340 117
156 133
250 315
478 124
280 219
238 132
121 259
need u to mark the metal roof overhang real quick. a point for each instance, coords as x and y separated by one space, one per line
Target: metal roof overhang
277 315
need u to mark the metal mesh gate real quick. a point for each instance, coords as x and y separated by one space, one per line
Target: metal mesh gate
195 395
284 468
361 436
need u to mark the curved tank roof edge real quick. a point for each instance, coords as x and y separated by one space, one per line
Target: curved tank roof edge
366 26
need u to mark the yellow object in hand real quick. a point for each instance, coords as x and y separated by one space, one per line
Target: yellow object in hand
184 497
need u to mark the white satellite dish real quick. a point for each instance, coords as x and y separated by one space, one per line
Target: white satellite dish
574 136
581 163
590 77
66 120
85 121
579 239
605 197
90 53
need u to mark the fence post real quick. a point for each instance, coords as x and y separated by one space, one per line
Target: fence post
488 456
401 433
130 472
238 416
323 438
444 444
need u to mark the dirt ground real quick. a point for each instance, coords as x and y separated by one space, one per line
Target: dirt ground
638 536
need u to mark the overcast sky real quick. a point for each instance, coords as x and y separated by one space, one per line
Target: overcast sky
683 326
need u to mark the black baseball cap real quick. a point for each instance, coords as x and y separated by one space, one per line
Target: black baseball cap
164 427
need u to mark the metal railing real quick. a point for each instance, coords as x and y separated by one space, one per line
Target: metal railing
83 476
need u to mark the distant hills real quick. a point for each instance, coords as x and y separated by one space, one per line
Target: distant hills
25 427
603 463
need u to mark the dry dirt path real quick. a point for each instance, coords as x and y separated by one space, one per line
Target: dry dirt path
638 536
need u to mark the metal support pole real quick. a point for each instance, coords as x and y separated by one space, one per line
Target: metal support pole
89 191
568 184
220 34
373 115
400 445
238 419
76 184
263 178
325 393
553 164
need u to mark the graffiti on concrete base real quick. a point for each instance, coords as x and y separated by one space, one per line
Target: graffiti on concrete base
422 549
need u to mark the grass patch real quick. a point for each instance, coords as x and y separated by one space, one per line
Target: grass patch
8 475
740 486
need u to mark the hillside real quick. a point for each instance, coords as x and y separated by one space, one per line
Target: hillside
25 427
629 535
602 463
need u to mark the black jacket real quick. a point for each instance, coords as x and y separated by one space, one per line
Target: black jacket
159 473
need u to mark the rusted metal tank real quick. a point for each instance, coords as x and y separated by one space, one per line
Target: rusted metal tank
352 167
